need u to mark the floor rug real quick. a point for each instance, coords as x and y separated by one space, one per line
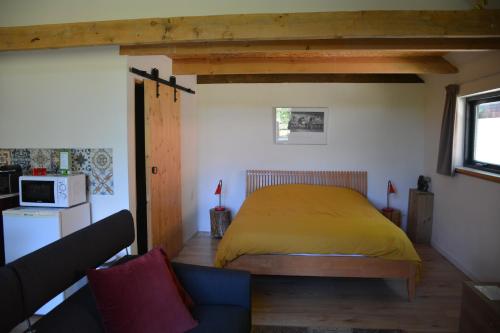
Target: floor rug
290 329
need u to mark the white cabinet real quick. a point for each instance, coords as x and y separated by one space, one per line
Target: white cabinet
26 229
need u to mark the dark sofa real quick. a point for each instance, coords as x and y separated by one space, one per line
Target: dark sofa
222 297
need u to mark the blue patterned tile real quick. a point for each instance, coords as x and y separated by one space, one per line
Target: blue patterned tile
41 158
101 183
22 158
54 161
101 177
97 164
101 160
80 160
5 157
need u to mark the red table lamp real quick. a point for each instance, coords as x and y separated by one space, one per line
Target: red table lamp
390 190
218 191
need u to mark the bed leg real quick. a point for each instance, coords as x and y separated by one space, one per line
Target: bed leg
410 285
411 281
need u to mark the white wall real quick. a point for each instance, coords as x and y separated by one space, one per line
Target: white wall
85 98
466 225
189 156
373 127
74 98
27 12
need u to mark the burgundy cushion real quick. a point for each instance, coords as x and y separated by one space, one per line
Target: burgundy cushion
140 296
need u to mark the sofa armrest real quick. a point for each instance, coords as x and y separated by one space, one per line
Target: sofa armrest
208 285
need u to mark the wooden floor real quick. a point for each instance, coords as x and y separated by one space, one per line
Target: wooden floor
356 303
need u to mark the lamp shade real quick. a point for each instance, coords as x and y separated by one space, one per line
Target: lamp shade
390 187
218 190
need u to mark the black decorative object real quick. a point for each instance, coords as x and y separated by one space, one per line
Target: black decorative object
9 181
172 82
423 183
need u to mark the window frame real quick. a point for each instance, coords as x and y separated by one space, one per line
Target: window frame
470 129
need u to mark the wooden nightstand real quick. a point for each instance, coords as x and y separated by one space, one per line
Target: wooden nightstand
393 215
420 207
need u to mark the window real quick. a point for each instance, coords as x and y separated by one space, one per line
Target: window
482 132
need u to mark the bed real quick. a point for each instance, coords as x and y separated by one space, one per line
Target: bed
315 223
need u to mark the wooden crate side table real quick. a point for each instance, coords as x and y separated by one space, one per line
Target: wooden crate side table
478 313
219 222
420 207
393 215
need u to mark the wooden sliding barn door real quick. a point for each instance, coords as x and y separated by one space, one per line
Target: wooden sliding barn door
163 167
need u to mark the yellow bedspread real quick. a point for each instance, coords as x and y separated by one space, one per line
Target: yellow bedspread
291 219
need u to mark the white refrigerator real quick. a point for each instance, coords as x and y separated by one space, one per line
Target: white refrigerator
27 229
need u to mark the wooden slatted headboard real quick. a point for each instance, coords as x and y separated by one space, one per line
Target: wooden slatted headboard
356 180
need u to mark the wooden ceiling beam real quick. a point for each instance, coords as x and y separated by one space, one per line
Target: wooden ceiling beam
310 54
333 65
251 27
309 78
333 46
302 54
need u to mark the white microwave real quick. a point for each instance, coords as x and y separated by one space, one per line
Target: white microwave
52 190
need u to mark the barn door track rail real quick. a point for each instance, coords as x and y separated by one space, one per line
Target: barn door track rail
154 76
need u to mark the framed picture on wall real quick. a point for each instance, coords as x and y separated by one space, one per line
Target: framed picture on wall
300 125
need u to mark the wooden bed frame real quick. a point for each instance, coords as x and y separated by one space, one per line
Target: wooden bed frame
327 266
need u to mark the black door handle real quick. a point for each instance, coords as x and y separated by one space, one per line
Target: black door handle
154 170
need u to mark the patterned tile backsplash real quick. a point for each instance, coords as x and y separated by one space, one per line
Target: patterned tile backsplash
97 164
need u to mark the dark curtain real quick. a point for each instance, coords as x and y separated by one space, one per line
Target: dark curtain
445 165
